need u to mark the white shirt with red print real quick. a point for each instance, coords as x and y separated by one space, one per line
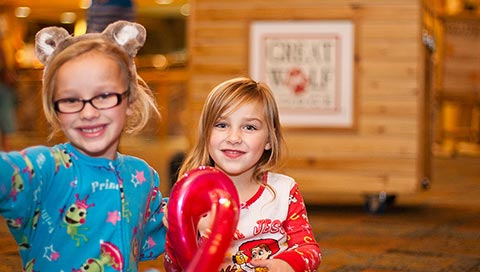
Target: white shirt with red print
272 224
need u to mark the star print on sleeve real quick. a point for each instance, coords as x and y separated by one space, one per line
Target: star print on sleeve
50 254
150 243
138 178
113 217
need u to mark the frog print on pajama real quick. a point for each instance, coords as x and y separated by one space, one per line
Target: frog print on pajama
70 210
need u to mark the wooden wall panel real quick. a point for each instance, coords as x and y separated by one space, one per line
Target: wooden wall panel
461 56
383 151
375 87
355 182
387 126
457 83
345 146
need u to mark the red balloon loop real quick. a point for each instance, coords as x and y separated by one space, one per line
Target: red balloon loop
199 191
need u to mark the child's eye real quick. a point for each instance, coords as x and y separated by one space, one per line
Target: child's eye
250 127
104 96
220 125
69 100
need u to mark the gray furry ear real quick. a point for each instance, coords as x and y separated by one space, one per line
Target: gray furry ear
47 40
128 35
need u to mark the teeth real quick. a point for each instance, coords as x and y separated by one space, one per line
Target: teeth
91 130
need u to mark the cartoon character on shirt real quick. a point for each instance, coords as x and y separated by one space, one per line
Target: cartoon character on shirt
75 217
254 250
17 223
29 266
61 158
17 184
109 255
29 166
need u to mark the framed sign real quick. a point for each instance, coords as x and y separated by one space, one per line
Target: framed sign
309 67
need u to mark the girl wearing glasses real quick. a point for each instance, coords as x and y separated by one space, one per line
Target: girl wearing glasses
82 205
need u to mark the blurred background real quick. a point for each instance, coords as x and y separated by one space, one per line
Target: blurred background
415 140
416 79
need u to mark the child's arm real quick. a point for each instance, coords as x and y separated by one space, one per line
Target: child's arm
303 253
17 172
21 175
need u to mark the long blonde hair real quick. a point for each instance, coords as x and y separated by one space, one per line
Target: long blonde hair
141 99
231 94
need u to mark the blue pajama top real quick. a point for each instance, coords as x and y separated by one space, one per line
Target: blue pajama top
71 212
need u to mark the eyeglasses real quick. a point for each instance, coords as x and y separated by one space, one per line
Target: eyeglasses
100 102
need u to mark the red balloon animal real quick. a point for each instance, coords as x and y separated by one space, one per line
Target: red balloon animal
201 190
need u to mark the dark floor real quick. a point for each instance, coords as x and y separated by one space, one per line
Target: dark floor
433 230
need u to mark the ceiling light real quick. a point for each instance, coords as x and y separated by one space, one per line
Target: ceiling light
185 10
68 17
22 12
85 4
159 61
163 2
80 27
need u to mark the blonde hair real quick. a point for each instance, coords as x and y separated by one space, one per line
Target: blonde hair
140 99
230 95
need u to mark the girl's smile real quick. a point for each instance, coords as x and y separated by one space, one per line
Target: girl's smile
92 131
232 153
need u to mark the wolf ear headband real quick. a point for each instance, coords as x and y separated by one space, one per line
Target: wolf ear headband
127 35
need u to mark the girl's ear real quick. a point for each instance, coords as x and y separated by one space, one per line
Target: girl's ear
47 40
129 109
268 146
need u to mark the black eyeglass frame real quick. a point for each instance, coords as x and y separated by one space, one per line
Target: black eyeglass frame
90 101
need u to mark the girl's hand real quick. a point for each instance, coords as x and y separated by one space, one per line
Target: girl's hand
274 265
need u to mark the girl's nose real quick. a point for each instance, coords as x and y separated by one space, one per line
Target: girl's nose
89 112
234 136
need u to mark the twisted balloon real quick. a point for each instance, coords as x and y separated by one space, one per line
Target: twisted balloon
199 191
